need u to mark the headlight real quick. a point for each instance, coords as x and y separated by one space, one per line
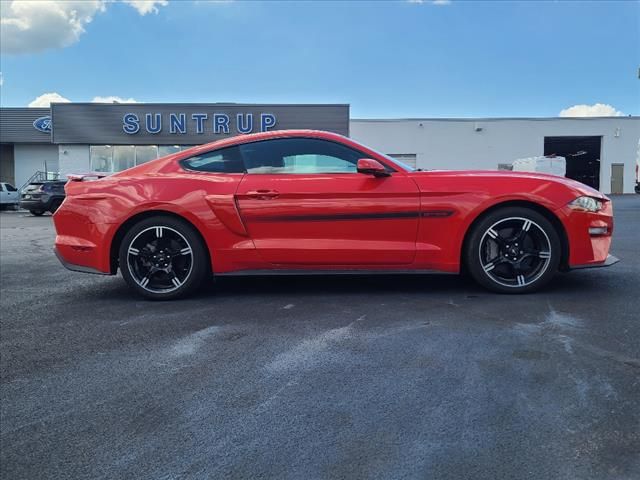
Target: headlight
586 204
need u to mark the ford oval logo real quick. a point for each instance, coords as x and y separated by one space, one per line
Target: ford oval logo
43 124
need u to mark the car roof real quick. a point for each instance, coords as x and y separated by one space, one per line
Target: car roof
255 137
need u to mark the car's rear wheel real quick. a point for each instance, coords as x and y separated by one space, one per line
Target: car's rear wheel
513 250
163 258
36 213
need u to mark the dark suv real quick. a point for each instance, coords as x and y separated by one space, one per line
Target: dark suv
40 197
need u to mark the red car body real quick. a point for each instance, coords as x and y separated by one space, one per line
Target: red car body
406 221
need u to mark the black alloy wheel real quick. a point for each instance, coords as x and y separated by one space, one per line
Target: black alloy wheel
163 258
513 250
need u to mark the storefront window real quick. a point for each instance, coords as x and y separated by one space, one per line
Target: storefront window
164 150
107 158
123 157
144 153
101 158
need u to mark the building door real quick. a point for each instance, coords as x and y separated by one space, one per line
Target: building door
7 164
617 177
582 155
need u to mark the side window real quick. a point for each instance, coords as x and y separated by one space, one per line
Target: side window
225 160
10 188
299 156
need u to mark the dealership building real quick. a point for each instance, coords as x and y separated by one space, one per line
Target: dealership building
80 137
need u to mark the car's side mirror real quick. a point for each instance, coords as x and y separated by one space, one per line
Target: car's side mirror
369 166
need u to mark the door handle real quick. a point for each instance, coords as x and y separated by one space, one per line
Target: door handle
263 194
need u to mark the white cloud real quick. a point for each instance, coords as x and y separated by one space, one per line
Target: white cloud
113 99
1 79
29 26
146 6
595 110
47 99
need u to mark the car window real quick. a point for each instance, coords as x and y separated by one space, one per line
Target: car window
224 160
10 188
299 156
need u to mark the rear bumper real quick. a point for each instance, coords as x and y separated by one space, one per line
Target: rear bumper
77 268
610 260
80 245
35 204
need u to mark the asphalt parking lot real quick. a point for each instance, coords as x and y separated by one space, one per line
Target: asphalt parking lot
318 377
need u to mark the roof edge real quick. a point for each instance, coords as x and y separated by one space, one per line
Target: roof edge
488 119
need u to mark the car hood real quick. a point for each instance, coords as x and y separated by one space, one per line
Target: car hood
504 175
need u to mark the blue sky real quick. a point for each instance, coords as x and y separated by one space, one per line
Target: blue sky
386 59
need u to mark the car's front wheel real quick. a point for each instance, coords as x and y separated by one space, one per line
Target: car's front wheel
55 206
513 250
163 258
37 213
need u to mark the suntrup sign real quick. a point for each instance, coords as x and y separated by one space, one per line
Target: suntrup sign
185 123
179 123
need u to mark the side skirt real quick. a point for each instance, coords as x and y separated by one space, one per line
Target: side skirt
292 272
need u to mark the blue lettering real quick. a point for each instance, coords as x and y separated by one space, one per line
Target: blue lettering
245 127
199 118
220 122
267 121
154 127
130 123
178 123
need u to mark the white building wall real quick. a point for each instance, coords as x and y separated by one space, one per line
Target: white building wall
74 159
31 158
458 145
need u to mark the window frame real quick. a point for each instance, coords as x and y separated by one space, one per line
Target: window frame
182 162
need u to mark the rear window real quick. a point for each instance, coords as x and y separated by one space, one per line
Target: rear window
225 160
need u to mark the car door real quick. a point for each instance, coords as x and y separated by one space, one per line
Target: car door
303 202
14 196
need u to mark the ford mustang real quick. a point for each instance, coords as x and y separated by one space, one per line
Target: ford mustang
303 201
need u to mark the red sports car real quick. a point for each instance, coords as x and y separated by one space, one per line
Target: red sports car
302 201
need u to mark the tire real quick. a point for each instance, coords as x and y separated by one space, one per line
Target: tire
37 213
163 258
55 205
513 250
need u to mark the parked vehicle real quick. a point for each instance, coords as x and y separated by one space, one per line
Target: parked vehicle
9 196
300 201
44 196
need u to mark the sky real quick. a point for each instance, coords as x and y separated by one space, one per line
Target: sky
403 59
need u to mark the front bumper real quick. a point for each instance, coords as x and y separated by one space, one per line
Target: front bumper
589 236
610 260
